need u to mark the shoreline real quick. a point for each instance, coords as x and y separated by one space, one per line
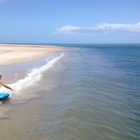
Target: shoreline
14 54
15 72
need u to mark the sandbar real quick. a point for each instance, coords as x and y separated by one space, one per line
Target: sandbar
13 54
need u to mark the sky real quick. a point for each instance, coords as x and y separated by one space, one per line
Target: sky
69 21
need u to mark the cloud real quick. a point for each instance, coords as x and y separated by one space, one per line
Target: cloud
105 27
67 29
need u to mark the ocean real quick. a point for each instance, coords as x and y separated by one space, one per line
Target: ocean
87 92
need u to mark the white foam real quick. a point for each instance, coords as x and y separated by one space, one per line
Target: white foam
33 76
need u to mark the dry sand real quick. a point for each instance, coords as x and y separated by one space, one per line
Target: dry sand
12 54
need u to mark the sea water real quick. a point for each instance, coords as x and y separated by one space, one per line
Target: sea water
88 92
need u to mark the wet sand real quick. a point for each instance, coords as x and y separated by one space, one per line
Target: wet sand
12 54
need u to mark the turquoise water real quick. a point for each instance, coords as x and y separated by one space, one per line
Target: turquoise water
91 92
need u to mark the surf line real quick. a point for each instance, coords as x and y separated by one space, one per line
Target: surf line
33 76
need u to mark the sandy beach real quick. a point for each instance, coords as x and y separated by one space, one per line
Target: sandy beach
12 54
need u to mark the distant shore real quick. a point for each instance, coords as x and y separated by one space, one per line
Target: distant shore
12 54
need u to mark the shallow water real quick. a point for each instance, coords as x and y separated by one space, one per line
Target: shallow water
91 92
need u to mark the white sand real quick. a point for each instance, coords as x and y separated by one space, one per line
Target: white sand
12 54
